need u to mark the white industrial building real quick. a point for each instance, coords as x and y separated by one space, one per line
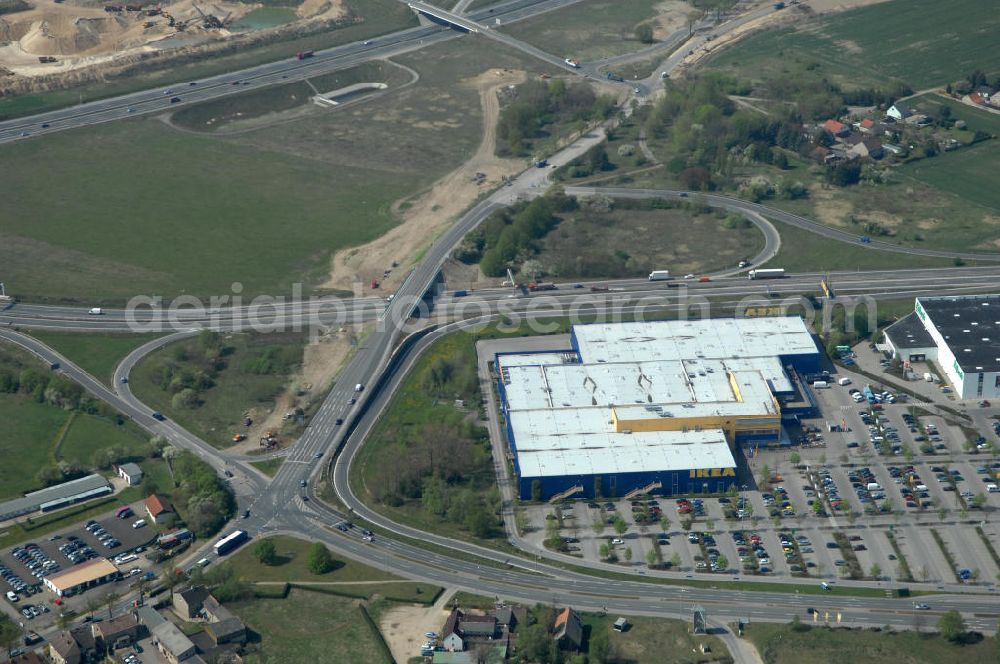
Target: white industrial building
961 334
654 406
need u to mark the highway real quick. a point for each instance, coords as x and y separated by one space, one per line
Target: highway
272 73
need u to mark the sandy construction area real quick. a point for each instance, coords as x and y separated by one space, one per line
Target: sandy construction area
77 34
403 627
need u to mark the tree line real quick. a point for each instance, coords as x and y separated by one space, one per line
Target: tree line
510 236
538 106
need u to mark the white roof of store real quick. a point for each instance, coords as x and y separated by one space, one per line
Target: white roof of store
718 338
700 387
581 441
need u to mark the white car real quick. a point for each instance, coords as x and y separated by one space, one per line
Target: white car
617 540
12 596
689 276
921 607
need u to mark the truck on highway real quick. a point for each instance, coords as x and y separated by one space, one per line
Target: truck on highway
533 287
302 55
572 62
659 275
96 311
771 273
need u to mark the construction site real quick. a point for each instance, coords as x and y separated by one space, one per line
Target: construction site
51 37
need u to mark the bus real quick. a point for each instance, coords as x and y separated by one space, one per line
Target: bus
776 273
230 542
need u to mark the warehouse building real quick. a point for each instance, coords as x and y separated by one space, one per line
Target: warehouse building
54 497
961 334
648 407
82 577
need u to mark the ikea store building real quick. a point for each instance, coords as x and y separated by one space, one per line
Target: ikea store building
655 407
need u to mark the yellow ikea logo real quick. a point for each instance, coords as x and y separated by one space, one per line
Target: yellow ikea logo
712 472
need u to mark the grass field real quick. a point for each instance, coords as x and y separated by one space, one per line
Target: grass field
969 173
629 242
236 390
269 467
923 43
587 30
308 627
88 434
348 577
802 251
974 117
97 354
779 644
217 214
264 208
30 429
216 115
377 17
654 641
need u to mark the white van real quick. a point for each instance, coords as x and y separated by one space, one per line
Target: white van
920 487
820 384
96 311
203 562
844 381
992 488
874 486
139 524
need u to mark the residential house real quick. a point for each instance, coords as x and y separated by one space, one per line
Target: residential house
119 632
131 473
187 603
899 111
819 154
63 648
472 626
509 617
158 509
84 638
223 625
866 125
451 639
838 129
975 98
568 630
172 642
867 147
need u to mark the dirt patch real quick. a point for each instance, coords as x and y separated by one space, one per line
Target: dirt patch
79 36
671 16
426 217
403 627
322 359
830 210
882 218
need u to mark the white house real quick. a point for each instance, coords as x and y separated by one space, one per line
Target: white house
899 111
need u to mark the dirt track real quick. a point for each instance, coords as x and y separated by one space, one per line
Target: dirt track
436 209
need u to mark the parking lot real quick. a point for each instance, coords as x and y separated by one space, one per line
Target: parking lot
879 487
23 567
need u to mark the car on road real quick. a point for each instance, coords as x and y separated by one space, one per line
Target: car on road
168 91
810 610
130 110
921 607
339 420
368 42
157 415
303 483
617 540
174 100
124 379
431 635
318 455
45 125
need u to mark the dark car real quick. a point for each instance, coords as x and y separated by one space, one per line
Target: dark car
174 100
339 420
157 415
